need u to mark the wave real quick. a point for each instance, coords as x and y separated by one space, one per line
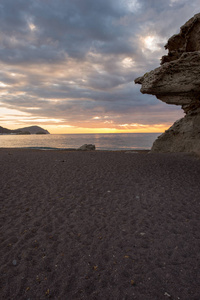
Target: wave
48 148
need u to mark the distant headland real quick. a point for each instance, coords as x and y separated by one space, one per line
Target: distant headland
25 130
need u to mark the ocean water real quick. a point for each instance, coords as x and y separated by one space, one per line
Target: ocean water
109 141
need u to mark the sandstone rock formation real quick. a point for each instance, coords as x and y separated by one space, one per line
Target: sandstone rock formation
177 81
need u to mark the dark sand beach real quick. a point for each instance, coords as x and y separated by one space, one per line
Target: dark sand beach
99 225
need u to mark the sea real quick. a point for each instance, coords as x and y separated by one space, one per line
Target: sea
108 141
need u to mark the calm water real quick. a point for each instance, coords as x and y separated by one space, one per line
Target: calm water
109 141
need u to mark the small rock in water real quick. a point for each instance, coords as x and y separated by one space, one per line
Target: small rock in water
87 147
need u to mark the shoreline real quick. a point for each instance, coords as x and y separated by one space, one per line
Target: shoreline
75 149
134 141
128 151
99 225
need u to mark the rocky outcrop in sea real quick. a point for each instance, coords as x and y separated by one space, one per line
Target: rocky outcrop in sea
177 81
87 147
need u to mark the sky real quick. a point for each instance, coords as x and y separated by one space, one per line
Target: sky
69 65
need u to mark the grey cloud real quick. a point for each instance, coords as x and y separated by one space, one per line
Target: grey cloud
70 26
94 37
76 27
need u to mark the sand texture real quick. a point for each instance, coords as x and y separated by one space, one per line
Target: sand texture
99 225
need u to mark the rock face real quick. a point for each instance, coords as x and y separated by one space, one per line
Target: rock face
177 81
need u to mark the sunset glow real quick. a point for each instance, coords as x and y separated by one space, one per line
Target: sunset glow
70 67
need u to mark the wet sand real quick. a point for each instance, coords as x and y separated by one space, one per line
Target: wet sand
99 225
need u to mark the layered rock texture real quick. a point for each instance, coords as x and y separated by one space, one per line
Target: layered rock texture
177 81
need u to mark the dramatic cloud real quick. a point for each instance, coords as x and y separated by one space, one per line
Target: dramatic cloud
71 64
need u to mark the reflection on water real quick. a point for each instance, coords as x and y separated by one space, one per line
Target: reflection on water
108 141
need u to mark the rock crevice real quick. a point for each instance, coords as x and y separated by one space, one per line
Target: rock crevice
177 81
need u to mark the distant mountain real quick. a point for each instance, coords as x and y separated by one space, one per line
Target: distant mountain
24 130
7 131
33 130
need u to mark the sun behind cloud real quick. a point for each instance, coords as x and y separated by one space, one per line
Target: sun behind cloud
66 65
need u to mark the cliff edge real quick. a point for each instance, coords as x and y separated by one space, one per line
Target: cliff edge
177 81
